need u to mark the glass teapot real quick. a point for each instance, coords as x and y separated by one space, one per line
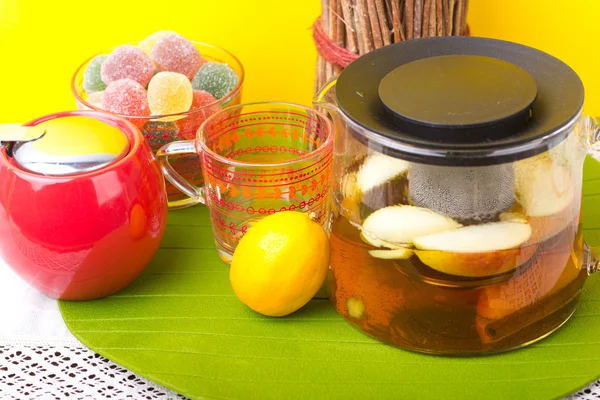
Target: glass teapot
458 170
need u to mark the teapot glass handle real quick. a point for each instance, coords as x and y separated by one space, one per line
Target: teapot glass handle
179 147
592 126
590 262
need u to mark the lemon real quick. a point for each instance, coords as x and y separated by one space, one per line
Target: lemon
280 264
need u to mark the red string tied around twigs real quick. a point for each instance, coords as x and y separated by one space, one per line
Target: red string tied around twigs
333 53
328 49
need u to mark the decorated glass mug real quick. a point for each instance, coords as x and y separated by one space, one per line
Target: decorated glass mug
257 159
457 194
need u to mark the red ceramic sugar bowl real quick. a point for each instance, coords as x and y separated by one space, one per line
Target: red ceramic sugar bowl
82 203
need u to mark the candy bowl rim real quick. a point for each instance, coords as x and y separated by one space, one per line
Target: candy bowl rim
225 99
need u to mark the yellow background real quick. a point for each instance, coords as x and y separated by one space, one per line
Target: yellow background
43 42
567 29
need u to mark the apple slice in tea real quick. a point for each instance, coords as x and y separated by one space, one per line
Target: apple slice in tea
394 254
476 250
396 226
543 187
545 192
380 181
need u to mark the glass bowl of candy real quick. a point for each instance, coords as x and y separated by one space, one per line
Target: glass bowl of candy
167 86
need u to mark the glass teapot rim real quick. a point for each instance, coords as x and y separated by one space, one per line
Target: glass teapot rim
477 64
460 156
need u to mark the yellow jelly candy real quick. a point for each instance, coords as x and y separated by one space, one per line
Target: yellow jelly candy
169 93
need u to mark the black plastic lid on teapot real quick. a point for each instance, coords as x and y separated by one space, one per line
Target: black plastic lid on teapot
460 100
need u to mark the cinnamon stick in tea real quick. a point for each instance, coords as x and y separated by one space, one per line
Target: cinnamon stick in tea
548 274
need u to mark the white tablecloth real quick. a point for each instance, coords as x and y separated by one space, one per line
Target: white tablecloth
40 359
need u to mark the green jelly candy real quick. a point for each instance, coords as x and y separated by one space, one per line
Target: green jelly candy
215 78
91 76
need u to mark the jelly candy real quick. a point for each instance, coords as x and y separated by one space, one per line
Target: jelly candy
169 93
158 133
126 97
147 44
174 53
207 103
216 78
202 98
95 99
92 82
127 62
203 106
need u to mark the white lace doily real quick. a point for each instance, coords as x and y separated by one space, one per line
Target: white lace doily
40 359
59 372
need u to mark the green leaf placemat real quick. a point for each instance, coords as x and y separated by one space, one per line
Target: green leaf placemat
181 326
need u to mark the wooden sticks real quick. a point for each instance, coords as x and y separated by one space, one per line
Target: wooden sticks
361 26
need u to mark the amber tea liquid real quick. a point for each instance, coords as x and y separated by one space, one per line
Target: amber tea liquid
408 304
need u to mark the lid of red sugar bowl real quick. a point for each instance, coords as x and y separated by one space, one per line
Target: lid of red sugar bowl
66 145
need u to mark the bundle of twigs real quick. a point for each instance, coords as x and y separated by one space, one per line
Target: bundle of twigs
349 28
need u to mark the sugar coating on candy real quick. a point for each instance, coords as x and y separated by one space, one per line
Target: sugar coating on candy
203 106
126 97
127 62
207 103
169 93
174 53
202 98
216 78
148 43
92 81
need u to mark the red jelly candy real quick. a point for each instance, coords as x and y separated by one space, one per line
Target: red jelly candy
127 97
203 106
127 62
174 53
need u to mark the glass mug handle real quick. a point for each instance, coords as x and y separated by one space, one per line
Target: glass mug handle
179 147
